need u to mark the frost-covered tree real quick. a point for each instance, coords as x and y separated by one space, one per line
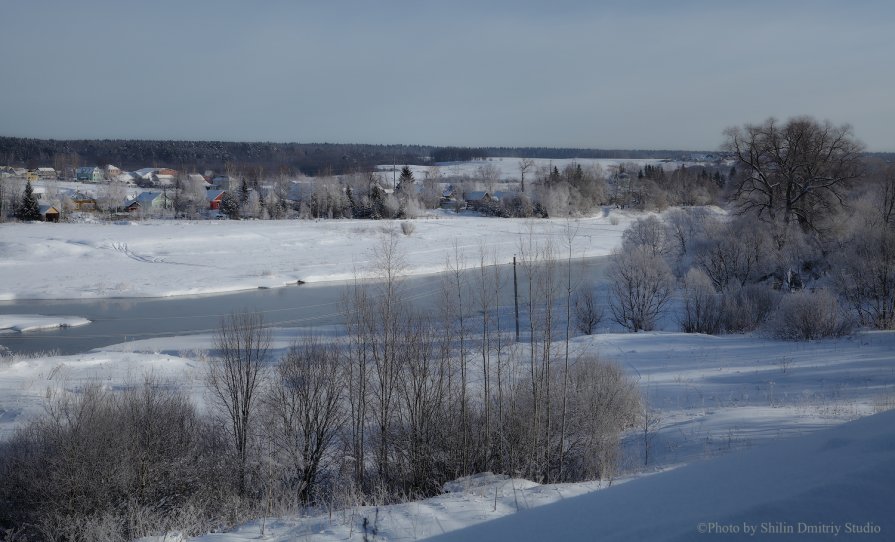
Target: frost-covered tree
405 181
230 206
865 266
795 171
650 233
28 208
640 288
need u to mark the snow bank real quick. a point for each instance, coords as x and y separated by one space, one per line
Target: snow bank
833 483
482 501
21 323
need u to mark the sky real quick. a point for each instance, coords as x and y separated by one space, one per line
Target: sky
589 74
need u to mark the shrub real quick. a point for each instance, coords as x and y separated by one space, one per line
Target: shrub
640 288
112 466
603 402
588 314
746 308
702 304
407 228
805 316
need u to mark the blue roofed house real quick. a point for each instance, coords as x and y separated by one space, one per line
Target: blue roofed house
147 202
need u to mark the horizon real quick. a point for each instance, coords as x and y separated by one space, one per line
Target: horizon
572 75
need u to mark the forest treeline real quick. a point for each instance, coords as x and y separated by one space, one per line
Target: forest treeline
292 158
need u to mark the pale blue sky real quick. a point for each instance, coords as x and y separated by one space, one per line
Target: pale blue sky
575 73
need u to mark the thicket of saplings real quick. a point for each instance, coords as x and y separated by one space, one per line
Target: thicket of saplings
403 404
807 250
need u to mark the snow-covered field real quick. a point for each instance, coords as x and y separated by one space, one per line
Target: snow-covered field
170 258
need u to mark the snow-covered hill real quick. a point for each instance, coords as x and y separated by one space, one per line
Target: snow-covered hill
833 484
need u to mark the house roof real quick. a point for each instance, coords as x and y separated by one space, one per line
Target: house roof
46 208
212 195
144 198
474 196
46 169
79 196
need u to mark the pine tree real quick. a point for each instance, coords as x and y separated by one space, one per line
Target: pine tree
554 178
352 206
29 209
405 181
243 192
230 206
376 197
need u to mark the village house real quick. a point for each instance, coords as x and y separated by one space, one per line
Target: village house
214 198
149 201
226 183
146 173
478 200
91 174
83 202
49 213
46 173
165 176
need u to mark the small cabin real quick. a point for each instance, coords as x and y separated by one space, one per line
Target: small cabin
49 213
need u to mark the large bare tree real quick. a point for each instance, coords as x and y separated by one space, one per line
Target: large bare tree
795 170
235 375
640 288
307 408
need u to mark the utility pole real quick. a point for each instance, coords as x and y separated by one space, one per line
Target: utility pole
516 296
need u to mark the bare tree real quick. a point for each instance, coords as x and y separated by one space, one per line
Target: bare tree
486 301
384 338
358 320
489 176
525 165
640 288
651 233
795 170
702 304
865 265
306 404
235 374
456 288
570 231
588 314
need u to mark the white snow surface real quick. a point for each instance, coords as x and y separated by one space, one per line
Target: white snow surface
833 484
21 323
171 258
